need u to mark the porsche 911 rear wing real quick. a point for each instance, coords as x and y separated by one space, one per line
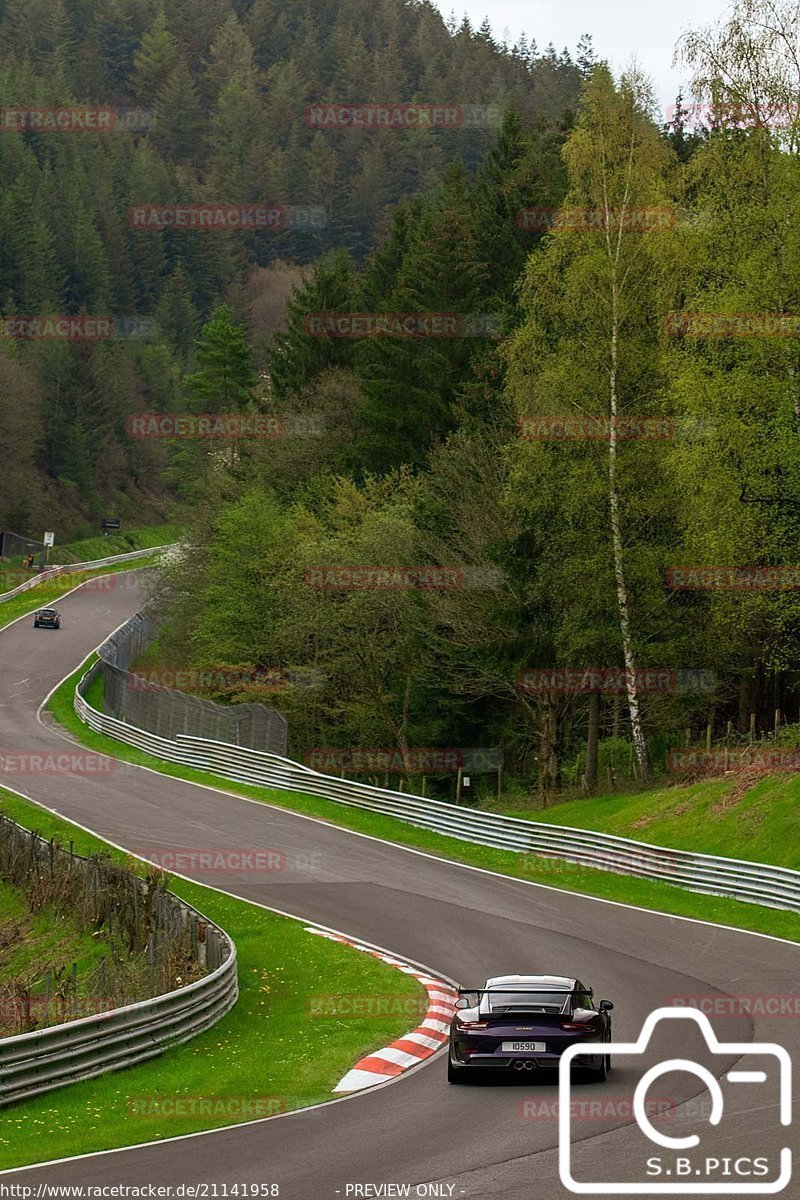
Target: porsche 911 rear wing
479 993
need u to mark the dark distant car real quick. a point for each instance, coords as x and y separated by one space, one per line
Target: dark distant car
525 1023
47 618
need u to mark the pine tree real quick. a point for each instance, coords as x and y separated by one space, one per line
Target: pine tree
224 381
232 56
586 57
300 353
175 314
155 60
411 382
178 115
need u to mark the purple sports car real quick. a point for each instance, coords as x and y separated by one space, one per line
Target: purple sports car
525 1022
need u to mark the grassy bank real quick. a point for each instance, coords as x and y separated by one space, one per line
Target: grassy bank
87 549
717 816
33 944
268 1054
660 897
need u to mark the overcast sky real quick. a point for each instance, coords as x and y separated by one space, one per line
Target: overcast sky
621 29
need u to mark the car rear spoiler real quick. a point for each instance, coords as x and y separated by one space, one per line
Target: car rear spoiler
522 991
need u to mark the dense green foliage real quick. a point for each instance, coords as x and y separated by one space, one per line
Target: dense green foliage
210 104
415 450
566 546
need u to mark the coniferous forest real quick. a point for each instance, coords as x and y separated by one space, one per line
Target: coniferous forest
601 447
210 104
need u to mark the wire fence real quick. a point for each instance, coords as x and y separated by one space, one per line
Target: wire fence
167 712
150 939
54 1056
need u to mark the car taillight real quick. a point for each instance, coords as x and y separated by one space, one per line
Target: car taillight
473 1024
576 1026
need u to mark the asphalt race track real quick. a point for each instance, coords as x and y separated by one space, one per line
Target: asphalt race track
496 1140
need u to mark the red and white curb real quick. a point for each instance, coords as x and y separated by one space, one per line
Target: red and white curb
413 1048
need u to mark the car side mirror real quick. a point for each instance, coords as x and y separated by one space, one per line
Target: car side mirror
461 1002
605 1006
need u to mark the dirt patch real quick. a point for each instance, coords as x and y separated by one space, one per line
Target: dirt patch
680 810
11 934
742 782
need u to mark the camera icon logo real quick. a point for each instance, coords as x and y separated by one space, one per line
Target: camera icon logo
676 1171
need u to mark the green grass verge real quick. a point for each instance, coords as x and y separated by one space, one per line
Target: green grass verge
53 590
761 822
269 1053
31 944
119 543
661 897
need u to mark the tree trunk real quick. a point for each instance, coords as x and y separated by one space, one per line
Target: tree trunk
592 742
631 687
548 759
745 700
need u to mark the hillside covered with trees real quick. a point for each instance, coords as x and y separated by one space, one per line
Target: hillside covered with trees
544 368
210 104
625 584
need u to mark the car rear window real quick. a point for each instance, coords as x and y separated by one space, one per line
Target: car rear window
529 1001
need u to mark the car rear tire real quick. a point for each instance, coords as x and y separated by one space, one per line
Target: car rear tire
454 1075
600 1074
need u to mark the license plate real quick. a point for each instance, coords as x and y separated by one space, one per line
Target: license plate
521 1047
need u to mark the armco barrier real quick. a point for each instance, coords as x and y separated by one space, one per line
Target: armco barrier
70 568
756 883
49 1058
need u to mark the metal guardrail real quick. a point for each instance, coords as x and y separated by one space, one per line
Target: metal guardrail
68 568
58 1055
756 883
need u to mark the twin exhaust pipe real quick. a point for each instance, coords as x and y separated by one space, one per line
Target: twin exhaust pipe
524 1064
